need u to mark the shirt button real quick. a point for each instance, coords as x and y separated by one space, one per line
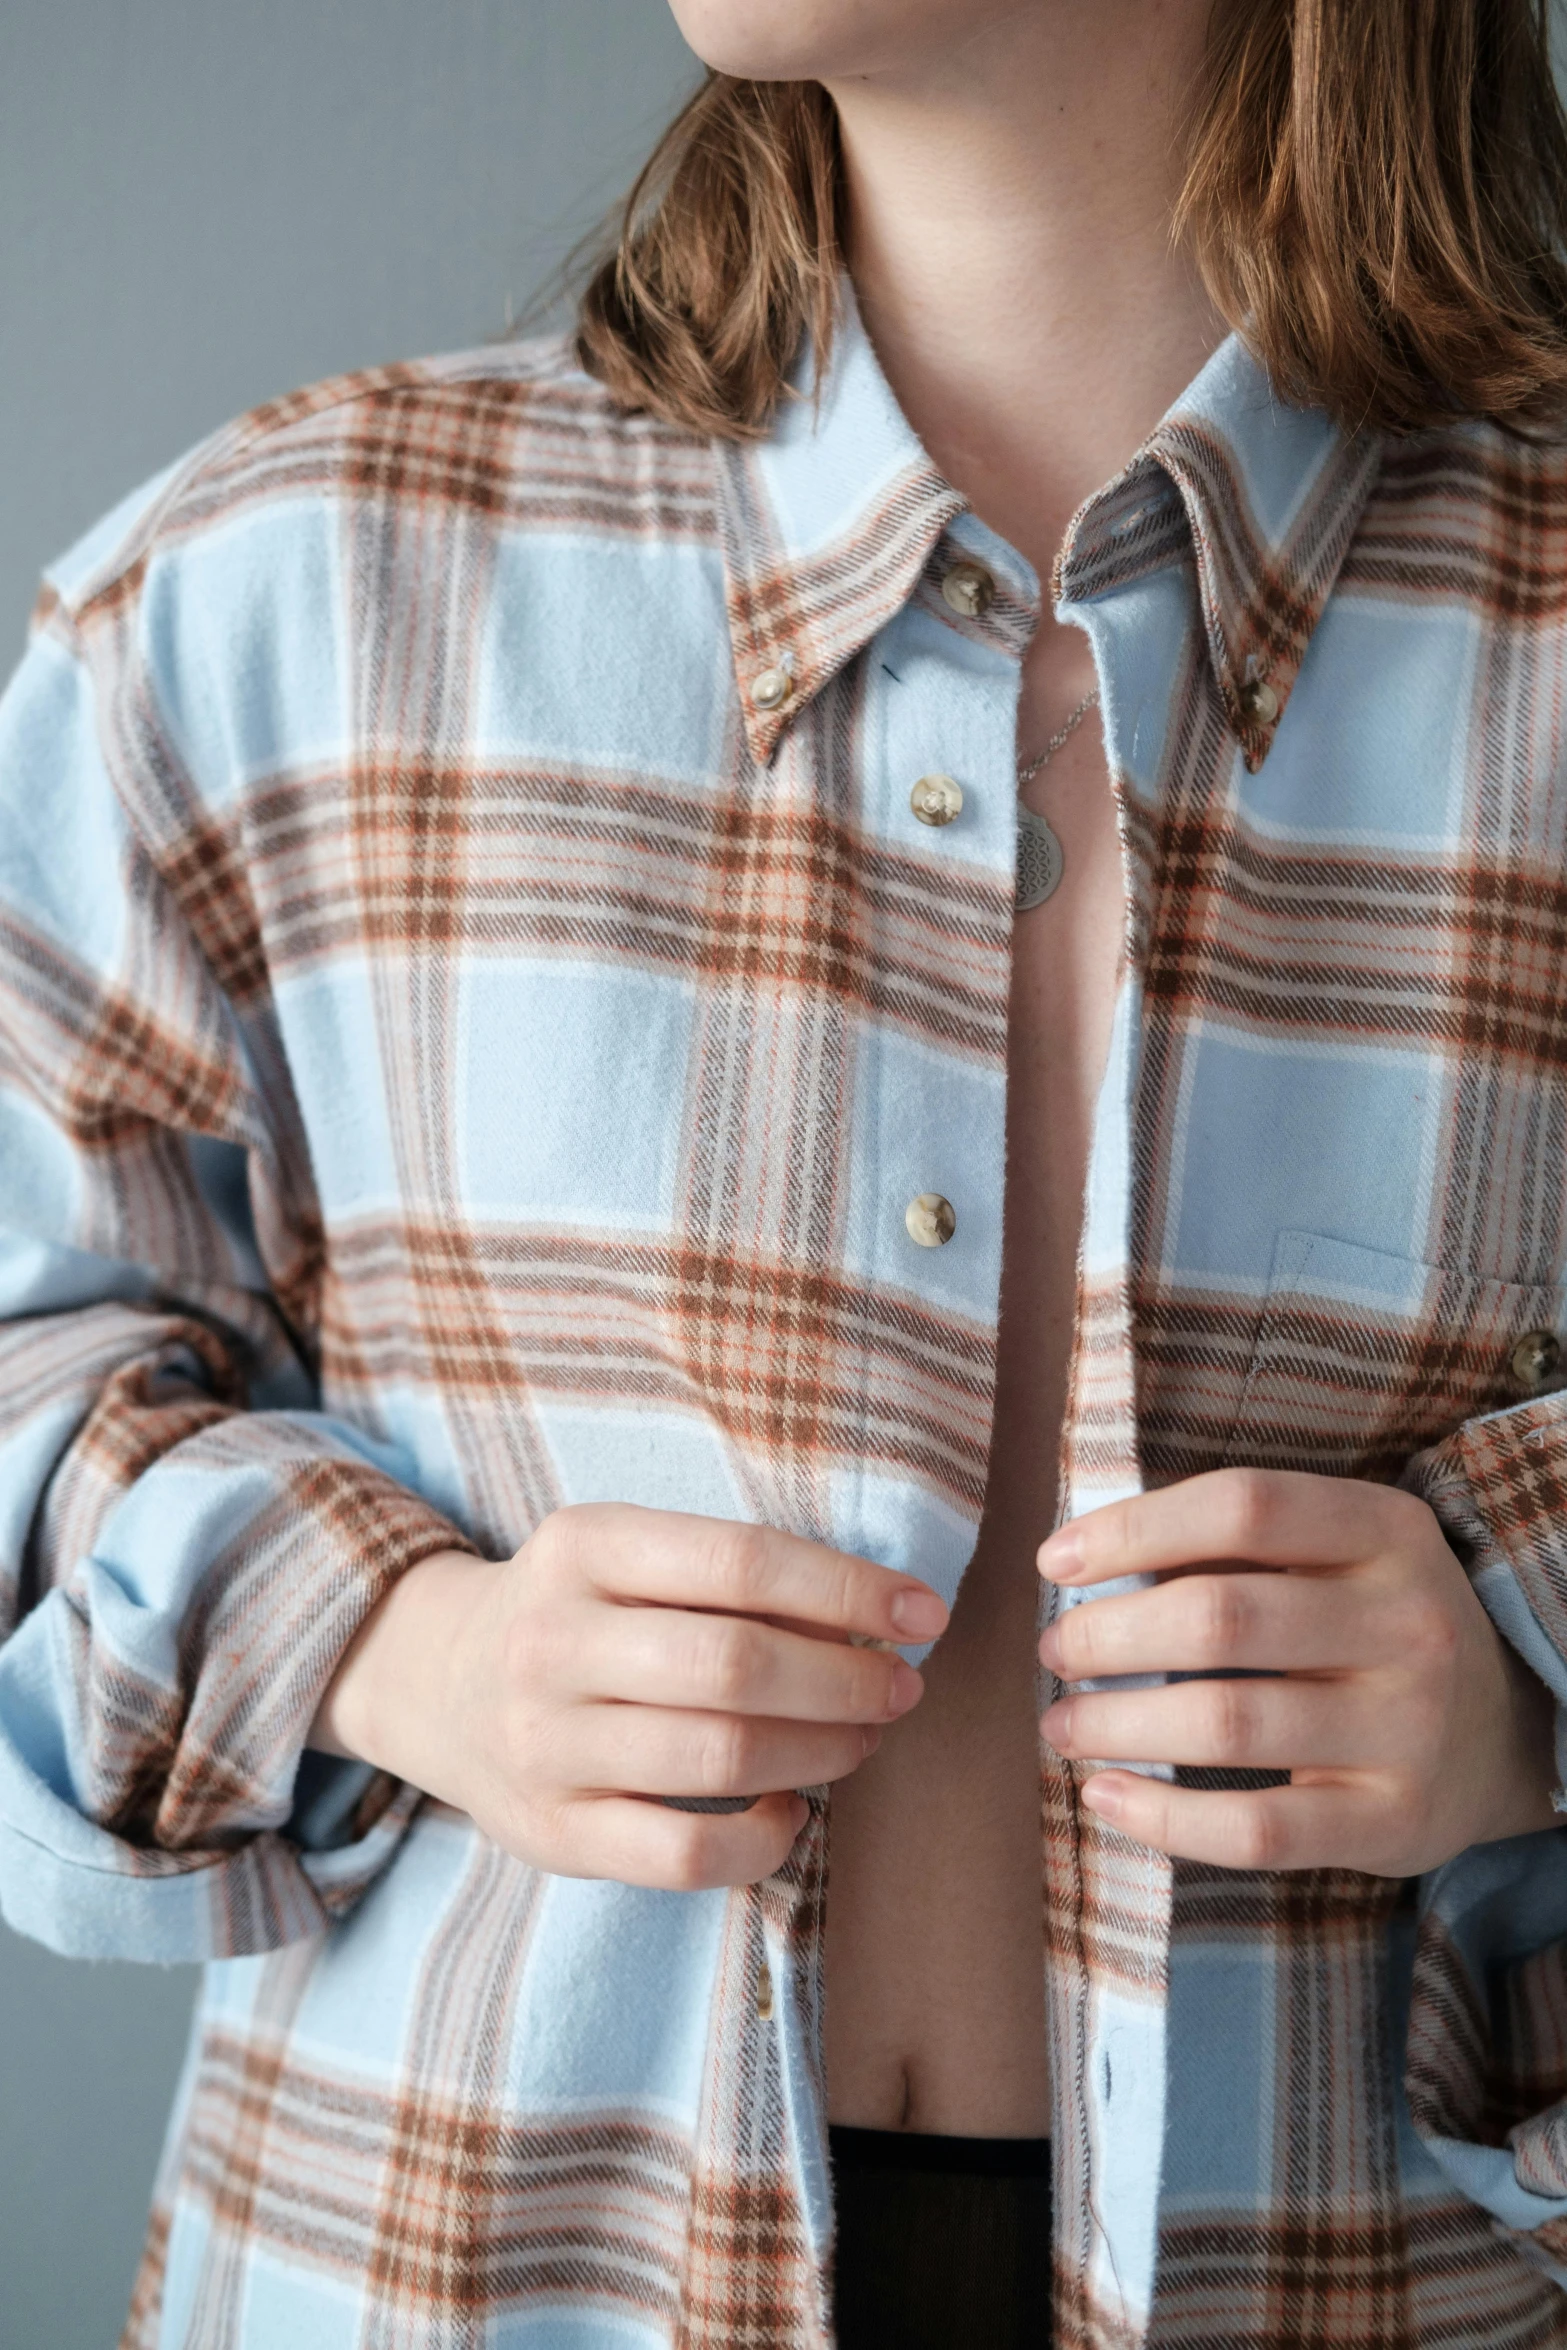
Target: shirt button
931 1220
1259 701
936 799
1534 1360
764 1992
968 590
771 688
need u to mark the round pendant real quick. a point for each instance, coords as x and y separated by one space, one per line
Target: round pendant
1040 863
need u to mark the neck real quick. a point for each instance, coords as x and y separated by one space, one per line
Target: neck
1010 247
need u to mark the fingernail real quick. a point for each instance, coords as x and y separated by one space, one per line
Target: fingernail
919 1613
1061 1557
870 1739
1047 1648
1101 1796
1056 1728
906 1688
799 1812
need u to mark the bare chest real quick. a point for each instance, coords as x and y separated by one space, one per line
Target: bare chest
934 1975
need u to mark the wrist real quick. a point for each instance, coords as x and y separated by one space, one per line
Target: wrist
395 1688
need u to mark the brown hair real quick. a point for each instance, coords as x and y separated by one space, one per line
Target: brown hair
1376 194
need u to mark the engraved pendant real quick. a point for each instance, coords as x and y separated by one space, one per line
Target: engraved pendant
1039 861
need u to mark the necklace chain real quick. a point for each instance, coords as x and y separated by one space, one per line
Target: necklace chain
1062 735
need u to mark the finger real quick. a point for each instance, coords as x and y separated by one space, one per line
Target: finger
634 1843
1269 1517
675 1560
1212 1623
1266 1725
1319 1827
654 1750
734 1665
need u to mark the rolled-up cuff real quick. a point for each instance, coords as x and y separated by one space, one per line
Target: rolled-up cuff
156 1798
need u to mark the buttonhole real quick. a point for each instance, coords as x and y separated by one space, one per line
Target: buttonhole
893 674
1104 2062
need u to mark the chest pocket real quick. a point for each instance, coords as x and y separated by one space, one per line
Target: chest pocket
1362 1358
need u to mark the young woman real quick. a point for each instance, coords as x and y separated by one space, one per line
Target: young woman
882 938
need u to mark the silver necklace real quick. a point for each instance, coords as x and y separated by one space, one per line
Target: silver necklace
1040 862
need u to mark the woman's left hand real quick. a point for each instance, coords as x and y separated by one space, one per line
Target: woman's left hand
1408 1727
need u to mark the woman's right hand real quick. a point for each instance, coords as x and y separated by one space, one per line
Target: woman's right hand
624 1655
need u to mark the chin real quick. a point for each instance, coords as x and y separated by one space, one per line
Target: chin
812 40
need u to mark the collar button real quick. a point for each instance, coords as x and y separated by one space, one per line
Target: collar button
968 590
771 688
1534 1361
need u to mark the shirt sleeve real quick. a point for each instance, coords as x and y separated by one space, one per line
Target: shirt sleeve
1486 2070
188 1542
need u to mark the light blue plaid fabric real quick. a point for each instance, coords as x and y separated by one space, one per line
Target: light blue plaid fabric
463 1054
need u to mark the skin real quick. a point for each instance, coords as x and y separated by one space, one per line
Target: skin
623 1654
1012 172
1408 1729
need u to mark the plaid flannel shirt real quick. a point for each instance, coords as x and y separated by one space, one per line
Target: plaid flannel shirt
464 1050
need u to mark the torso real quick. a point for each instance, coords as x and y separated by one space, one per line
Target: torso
935 1985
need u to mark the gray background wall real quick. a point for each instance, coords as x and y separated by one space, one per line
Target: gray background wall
203 203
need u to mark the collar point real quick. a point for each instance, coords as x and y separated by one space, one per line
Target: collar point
764 730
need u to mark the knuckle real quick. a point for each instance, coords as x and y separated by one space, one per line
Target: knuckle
847 1597
727 1661
689 1865
742 1559
1430 1633
563 1544
1222 1614
1255 1840
844 1752
1232 1720
1108 1535
726 1755
548 1831
1247 1505
1083 1651
540 1651
548 1546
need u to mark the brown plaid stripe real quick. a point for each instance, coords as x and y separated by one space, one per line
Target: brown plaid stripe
752 876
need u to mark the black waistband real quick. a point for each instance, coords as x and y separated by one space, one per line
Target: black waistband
922 2150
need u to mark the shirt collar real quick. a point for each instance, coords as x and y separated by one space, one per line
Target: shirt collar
828 523
1270 497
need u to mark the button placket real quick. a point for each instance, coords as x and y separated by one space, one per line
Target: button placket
940 727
